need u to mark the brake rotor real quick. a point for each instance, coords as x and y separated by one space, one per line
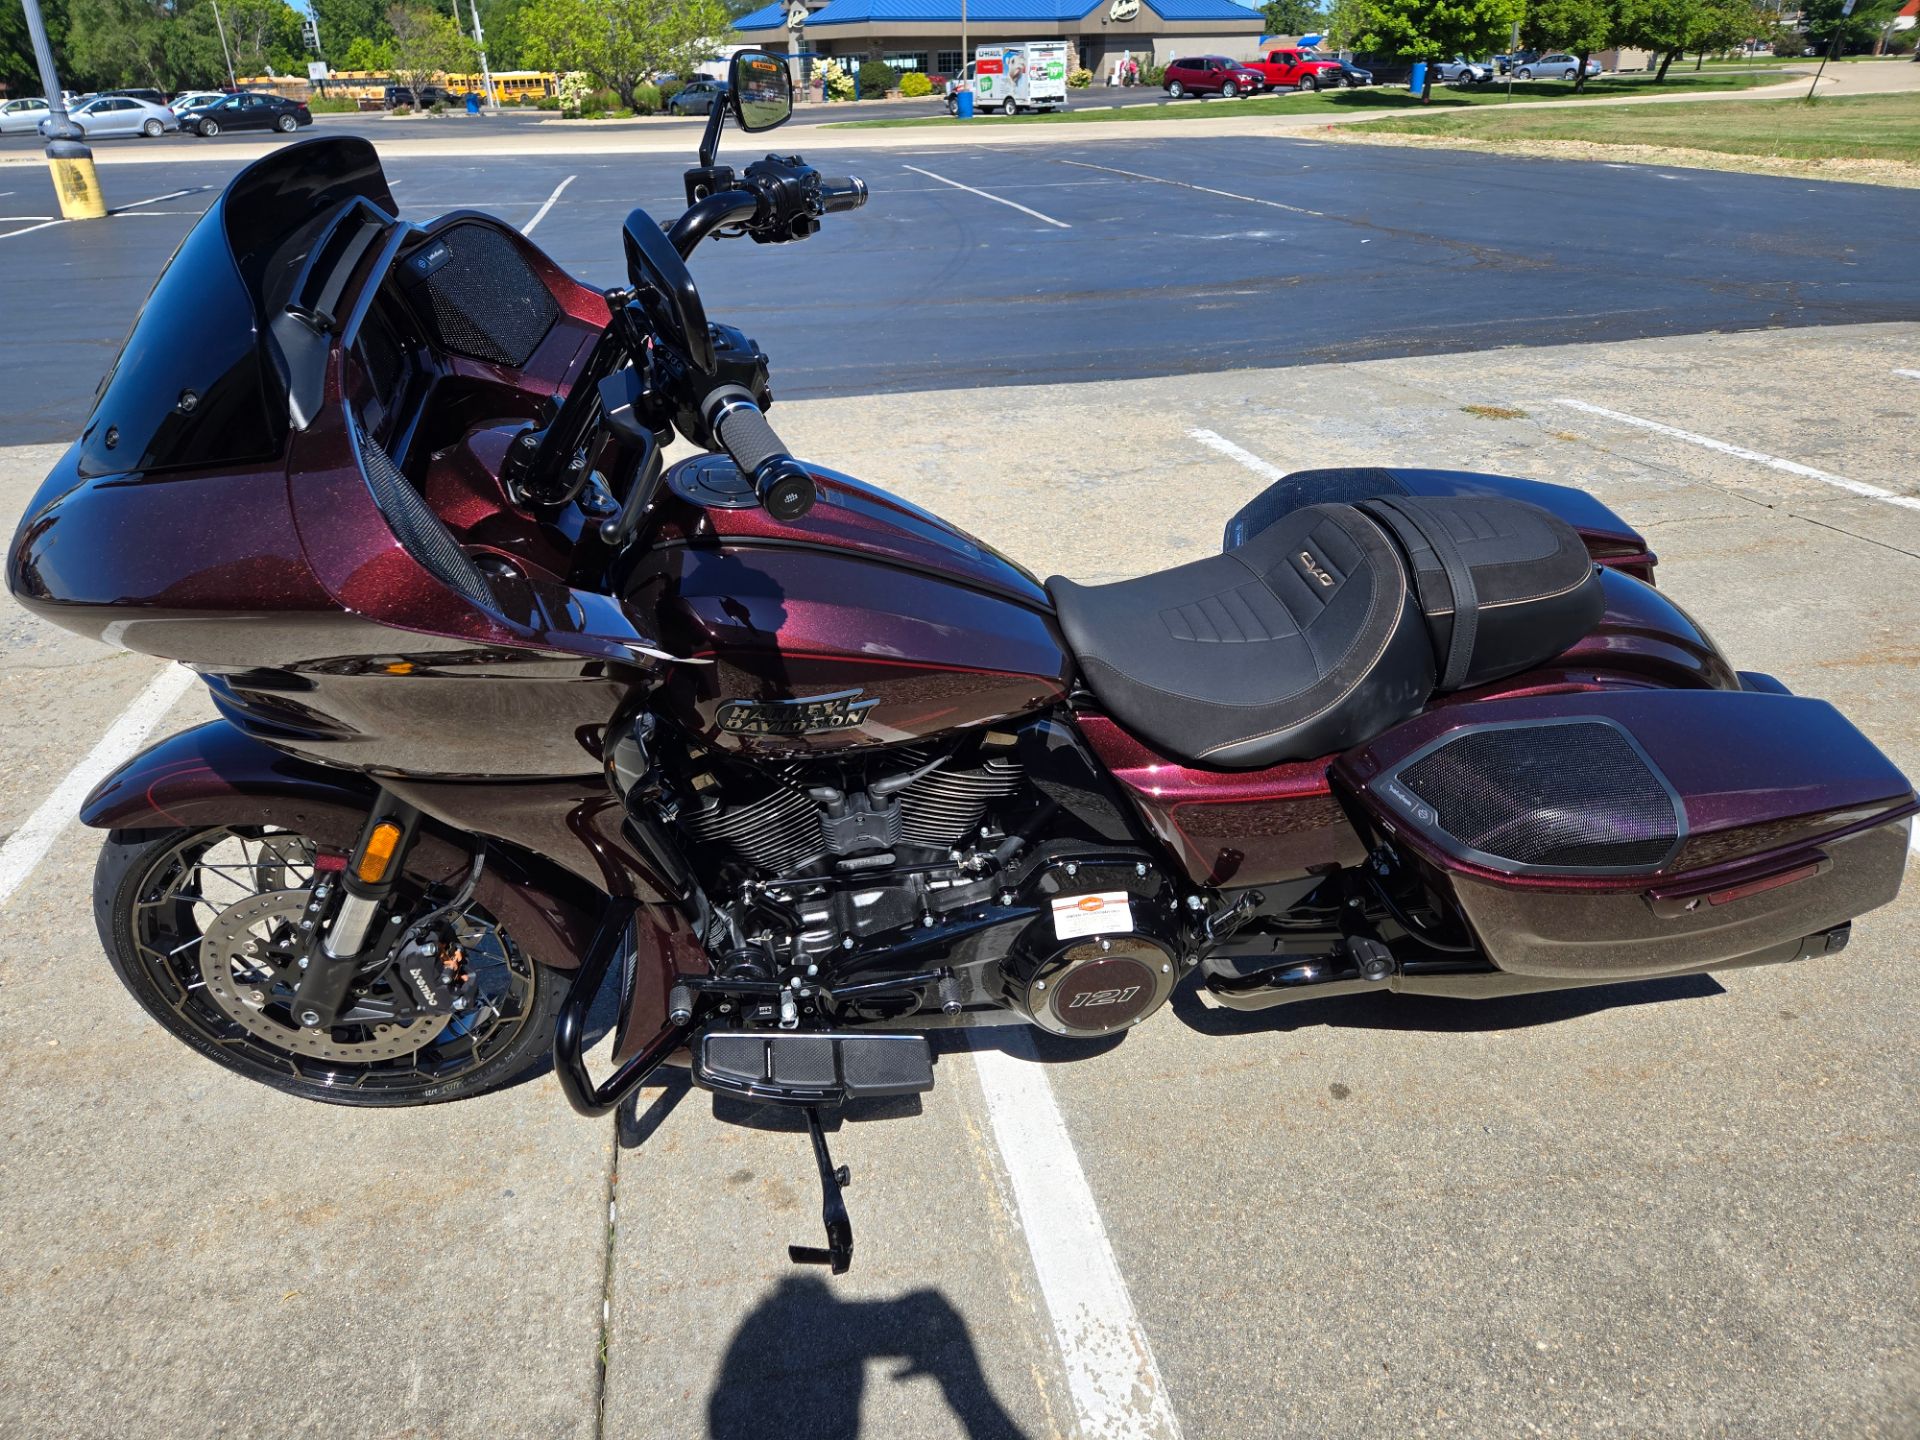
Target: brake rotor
240 955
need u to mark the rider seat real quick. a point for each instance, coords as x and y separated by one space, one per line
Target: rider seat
1334 623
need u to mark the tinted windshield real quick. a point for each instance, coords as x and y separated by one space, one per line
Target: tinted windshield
196 385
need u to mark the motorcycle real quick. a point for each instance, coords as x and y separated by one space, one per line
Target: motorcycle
510 709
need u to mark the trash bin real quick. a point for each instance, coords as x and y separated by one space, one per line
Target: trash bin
963 104
1417 81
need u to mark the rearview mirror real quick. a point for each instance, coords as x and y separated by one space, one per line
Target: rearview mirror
761 90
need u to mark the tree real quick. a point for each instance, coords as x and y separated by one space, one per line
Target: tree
366 54
262 34
1578 26
622 43
1720 25
18 70
1825 24
1662 26
1432 29
427 44
344 21
1292 17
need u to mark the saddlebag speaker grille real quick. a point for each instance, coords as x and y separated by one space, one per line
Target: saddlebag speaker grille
487 302
1572 795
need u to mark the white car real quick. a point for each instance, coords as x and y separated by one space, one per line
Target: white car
22 117
1462 71
1557 66
193 100
123 115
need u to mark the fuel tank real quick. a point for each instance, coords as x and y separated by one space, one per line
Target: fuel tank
865 622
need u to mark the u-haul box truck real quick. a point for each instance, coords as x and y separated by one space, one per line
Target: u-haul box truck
1012 78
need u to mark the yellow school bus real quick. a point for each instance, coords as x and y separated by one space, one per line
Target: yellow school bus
511 86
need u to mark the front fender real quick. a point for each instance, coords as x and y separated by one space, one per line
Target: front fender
215 774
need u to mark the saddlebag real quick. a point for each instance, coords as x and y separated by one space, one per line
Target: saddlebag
1625 834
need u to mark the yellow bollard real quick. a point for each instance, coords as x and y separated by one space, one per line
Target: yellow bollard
75 181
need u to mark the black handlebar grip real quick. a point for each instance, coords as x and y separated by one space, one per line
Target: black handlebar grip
784 487
848 192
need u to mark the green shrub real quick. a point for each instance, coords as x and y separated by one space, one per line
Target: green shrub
401 110
670 87
1153 74
839 84
547 102
1080 79
876 78
439 107
914 85
646 99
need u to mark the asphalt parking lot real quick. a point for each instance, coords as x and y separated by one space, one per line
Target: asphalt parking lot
1685 1208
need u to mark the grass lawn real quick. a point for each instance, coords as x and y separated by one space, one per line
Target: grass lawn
1375 97
1851 127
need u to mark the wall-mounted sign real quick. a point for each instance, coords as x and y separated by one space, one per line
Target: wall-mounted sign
1123 10
797 16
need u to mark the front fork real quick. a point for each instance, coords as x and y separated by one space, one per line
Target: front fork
339 947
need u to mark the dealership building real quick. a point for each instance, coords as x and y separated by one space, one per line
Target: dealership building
928 35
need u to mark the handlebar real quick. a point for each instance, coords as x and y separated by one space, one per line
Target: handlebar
842 193
783 485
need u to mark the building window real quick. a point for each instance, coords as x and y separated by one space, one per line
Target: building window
950 62
906 59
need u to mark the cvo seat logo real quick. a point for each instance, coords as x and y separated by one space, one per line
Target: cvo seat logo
1089 999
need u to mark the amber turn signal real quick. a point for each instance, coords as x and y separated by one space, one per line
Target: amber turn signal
378 853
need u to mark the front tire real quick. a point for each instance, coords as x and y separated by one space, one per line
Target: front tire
159 894
1229 91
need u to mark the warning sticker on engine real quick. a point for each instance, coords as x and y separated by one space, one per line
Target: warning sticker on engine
1107 913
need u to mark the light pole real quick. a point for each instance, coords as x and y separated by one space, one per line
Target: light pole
68 157
480 44
221 26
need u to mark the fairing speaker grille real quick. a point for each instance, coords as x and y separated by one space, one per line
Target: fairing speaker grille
1572 795
487 302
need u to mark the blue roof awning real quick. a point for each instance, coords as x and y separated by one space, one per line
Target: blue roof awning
987 12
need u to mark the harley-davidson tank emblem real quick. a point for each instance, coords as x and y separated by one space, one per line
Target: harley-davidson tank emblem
814 715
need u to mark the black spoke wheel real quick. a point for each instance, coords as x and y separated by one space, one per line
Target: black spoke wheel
202 926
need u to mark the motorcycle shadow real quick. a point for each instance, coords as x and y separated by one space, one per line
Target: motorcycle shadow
1438 1014
797 1366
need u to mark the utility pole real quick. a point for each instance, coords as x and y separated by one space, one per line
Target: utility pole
480 44
964 57
68 157
221 26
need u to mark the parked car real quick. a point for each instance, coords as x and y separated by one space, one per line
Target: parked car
698 97
108 115
1351 74
429 96
247 110
196 99
1212 75
22 117
1557 66
1385 69
1462 71
1296 69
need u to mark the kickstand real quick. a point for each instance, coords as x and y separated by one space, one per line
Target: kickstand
833 1208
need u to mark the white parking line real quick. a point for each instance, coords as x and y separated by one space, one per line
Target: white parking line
1203 189
28 845
1215 441
541 213
997 199
152 200
1759 457
1111 1374
44 224
1909 374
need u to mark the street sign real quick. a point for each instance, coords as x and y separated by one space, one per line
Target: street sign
317 70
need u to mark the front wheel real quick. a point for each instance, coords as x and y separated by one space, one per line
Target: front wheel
1229 90
209 128
287 124
203 927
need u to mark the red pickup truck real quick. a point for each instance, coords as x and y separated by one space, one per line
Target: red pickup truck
1301 69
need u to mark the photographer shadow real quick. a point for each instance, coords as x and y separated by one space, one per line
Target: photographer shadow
797 1366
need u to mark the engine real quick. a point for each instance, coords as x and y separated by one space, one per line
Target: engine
888 843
